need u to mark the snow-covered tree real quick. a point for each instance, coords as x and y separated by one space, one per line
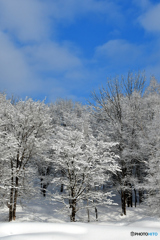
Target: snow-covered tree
26 125
150 142
117 106
84 161
4 166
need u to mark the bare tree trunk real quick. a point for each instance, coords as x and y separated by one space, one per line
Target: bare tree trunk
129 197
44 188
62 187
96 211
11 195
123 201
140 196
11 205
41 185
88 214
73 213
135 195
15 199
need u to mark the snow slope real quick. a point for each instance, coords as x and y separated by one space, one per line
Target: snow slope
40 220
71 231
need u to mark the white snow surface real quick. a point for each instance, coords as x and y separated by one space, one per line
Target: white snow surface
39 221
71 231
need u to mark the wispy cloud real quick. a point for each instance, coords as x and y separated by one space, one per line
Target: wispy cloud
25 20
35 20
15 74
51 56
142 4
150 20
71 9
119 53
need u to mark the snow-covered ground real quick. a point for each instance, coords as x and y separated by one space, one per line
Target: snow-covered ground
70 231
84 231
41 221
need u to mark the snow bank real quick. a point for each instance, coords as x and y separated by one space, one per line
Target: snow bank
79 231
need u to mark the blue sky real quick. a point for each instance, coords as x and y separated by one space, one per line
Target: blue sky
67 48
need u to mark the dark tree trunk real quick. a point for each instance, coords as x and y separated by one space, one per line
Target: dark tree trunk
135 195
73 202
41 184
11 195
131 201
11 205
16 187
43 187
140 196
123 201
62 187
129 197
96 211
73 213
15 199
88 214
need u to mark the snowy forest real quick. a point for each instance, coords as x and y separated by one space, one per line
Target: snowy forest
82 155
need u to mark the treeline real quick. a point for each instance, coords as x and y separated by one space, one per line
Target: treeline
84 152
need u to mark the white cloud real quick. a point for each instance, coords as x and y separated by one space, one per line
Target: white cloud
15 74
35 20
119 53
70 9
25 19
150 20
25 70
143 4
51 56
